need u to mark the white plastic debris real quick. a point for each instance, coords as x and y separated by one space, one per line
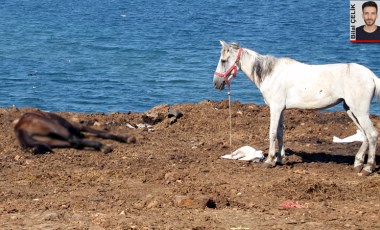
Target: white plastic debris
130 126
356 137
246 153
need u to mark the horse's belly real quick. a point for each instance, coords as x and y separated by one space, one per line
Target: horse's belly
312 99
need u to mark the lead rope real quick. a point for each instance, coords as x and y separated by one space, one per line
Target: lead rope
229 109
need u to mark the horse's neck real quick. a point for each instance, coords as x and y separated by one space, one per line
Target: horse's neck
246 64
257 67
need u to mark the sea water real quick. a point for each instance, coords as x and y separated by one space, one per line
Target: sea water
119 55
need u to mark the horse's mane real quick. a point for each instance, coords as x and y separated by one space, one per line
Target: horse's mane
235 45
263 66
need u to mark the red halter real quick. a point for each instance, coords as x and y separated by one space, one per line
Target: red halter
233 68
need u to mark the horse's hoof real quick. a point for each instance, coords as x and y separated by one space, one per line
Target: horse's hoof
269 165
358 168
365 173
106 149
367 170
42 149
131 140
280 162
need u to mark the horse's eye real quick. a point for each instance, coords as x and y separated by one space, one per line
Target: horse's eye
223 60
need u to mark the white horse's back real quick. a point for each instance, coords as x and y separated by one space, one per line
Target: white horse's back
320 86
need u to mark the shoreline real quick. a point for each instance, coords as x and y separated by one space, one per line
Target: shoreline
328 110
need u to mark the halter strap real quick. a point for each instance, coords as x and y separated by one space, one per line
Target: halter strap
233 68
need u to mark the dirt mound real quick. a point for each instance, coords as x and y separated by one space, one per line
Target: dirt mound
174 178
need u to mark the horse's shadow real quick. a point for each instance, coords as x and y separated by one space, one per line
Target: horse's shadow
324 158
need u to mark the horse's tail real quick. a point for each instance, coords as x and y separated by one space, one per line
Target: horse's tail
376 80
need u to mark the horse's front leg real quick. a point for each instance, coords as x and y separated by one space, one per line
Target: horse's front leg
275 114
280 139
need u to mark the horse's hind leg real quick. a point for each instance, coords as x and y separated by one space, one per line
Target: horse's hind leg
108 135
359 157
81 143
371 134
26 141
96 145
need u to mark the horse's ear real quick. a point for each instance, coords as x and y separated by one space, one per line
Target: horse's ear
224 44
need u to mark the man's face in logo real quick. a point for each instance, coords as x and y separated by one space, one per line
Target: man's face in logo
369 15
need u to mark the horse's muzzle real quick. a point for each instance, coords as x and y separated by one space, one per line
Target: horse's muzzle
218 82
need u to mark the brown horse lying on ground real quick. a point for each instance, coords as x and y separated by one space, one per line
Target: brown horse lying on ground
43 131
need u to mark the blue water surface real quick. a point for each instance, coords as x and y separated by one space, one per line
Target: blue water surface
119 55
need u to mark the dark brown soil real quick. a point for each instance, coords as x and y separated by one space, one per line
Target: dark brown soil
174 178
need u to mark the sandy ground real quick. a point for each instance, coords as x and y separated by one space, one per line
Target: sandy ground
174 178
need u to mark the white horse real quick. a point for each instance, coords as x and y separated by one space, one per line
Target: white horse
286 83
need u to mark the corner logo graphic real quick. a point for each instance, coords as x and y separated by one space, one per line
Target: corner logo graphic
364 21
